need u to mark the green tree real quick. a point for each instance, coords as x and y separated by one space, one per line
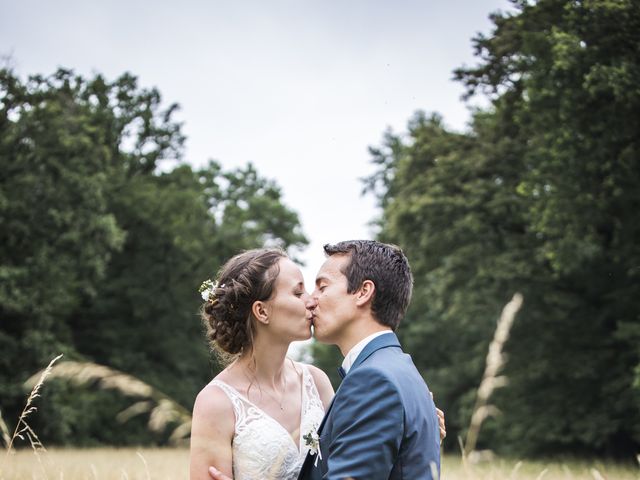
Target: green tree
539 196
567 70
181 226
102 251
454 211
57 233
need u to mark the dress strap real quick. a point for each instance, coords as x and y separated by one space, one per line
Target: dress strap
312 408
239 404
309 385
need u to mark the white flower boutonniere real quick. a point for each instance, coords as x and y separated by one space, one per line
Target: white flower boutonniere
312 440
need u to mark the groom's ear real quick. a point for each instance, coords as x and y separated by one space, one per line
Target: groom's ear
365 293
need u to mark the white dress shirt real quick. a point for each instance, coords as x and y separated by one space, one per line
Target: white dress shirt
350 357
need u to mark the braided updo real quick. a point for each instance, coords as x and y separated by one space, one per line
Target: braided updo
246 278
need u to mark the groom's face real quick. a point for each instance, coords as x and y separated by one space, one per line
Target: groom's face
334 306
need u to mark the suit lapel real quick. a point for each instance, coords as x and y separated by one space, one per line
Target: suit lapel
382 341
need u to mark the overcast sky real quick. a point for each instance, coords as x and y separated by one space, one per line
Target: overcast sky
299 88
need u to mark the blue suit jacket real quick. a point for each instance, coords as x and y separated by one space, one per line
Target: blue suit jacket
382 423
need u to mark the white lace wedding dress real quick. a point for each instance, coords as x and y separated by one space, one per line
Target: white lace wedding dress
262 447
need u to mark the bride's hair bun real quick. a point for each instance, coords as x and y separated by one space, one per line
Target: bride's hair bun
246 278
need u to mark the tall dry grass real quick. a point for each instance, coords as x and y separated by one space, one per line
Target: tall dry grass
162 410
101 464
172 463
4 430
491 379
484 465
23 429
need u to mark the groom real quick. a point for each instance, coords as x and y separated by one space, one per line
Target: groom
378 425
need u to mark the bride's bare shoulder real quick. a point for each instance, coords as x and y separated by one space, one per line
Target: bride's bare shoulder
212 400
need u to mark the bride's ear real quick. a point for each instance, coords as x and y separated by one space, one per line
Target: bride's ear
260 312
365 293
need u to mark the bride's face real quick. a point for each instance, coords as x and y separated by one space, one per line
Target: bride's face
289 314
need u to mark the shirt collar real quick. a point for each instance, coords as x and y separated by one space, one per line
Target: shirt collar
350 357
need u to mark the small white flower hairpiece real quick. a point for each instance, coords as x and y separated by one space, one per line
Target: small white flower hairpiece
208 290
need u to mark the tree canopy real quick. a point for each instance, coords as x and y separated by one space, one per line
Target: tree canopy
539 196
103 250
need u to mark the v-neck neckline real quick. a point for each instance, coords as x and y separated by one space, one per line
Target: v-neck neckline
267 415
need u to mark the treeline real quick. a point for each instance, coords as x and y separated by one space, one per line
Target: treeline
105 236
541 196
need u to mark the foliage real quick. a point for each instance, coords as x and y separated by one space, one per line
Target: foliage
328 358
539 196
102 248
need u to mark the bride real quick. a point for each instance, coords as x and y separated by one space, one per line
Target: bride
256 419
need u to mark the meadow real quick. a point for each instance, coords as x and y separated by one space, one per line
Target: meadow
40 463
173 464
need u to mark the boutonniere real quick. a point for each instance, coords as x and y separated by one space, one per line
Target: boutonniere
312 440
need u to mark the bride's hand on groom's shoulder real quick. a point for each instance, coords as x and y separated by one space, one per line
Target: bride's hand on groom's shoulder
443 428
217 474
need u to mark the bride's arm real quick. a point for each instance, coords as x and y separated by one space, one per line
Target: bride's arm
323 384
212 430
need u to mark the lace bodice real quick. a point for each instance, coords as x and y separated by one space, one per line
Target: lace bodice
262 447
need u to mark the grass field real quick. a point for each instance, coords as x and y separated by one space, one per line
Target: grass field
173 463
164 464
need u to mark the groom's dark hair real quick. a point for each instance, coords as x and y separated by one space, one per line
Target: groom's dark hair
387 267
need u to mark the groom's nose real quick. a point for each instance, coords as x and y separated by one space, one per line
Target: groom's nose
311 302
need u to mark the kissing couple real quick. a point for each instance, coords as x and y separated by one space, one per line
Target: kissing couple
267 417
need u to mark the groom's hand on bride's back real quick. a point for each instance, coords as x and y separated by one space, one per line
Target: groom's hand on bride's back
217 474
